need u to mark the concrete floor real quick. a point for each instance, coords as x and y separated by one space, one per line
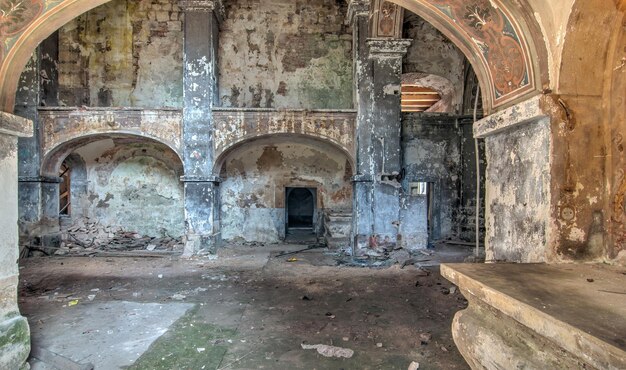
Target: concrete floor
246 309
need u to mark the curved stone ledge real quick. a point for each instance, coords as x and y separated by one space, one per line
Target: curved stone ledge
537 316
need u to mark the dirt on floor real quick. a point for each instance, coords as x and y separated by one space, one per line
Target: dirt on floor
246 309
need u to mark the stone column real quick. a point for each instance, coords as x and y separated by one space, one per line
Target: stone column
377 187
14 330
201 27
362 222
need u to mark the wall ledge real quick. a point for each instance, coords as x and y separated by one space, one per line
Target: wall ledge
523 113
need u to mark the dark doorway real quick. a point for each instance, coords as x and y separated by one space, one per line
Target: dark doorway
65 201
300 209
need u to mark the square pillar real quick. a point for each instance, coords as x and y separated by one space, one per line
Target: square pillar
201 31
377 189
14 330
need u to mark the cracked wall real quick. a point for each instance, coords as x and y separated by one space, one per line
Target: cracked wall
131 184
123 53
285 54
255 178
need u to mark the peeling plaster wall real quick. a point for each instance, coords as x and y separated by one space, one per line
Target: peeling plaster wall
432 154
518 193
133 185
439 148
285 54
255 178
123 53
433 53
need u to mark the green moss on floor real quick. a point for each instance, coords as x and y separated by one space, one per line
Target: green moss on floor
190 343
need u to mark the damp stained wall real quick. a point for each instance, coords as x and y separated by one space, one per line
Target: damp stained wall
439 148
431 52
123 53
518 197
285 54
131 184
256 175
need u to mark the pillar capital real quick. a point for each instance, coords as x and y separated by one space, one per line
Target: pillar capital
383 48
204 6
357 8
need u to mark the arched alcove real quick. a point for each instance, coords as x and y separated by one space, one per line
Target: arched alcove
256 178
124 182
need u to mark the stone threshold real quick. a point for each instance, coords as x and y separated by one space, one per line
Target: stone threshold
580 309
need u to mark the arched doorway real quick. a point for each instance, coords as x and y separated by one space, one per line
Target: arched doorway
300 209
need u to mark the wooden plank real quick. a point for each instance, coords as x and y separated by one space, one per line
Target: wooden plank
417 89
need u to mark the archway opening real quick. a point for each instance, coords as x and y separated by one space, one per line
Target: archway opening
114 192
300 208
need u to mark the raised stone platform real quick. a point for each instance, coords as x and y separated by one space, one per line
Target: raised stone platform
536 316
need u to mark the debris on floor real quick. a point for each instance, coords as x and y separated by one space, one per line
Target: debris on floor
86 237
329 351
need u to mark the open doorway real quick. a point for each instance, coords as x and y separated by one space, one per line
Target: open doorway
300 211
65 201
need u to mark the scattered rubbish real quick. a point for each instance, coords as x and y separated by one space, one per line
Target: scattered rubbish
414 365
95 290
160 276
329 351
590 280
200 349
425 338
443 348
306 298
91 297
178 297
452 289
345 339
315 246
292 259
151 247
379 345
445 291
72 303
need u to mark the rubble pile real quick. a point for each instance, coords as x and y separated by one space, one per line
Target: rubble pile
87 235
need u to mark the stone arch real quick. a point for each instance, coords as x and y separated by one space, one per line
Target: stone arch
502 42
29 32
497 36
53 158
284 138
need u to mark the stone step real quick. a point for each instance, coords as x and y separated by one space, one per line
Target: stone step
338 227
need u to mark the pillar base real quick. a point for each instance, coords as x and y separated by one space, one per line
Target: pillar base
14 342
200 245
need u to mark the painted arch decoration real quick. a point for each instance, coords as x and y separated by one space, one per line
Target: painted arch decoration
492 39
486 30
